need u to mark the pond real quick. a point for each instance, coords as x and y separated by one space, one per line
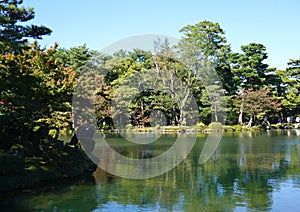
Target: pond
248 172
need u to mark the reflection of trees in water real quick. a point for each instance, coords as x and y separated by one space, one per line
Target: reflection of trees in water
242 173
244 176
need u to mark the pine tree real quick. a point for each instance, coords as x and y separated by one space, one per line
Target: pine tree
14 34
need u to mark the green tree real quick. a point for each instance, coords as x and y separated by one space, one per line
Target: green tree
249 68
205 36
35 89
206 40
14 34
204 50
76 58
250 71
142 57
175 79
291 82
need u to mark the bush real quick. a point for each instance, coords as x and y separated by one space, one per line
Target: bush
129 126
255 128
105 127
202 125
215 126
238 128
275 126
53 133
229 128
65 131
157 127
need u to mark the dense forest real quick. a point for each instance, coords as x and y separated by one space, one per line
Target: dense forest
37 84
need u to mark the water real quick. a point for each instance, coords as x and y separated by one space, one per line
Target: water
248 172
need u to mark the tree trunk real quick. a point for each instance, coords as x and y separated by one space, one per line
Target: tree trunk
182 105
240 120
250 122
181 116
215 113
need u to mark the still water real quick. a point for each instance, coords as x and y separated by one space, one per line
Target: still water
248 172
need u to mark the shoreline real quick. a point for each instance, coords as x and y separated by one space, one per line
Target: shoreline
202 128
19 173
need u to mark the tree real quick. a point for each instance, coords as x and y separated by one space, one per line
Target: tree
175 79
120 77
249 70
103 103
248 67
76 57
291 82
204 51
141 56
257 102
35 89
205 36
14 33
206 39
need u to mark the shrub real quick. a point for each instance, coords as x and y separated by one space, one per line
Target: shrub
255 128
215 126
229 128
238 128
53 133
129 126
105 127
202 125
17 150
157 127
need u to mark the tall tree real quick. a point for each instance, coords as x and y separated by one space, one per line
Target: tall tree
204 50
206 36
14 34
250 71
177 80
206 39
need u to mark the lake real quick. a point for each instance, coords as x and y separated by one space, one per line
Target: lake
248 172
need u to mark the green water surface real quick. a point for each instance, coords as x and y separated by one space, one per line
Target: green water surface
248 172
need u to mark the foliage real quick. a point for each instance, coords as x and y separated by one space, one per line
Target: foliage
291 80
257 102
238 128
215 126
248 68
14 33
34 89
37 84
75 58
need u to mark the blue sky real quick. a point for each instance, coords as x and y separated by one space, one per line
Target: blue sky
99 23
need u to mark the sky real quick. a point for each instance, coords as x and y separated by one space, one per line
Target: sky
99 23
